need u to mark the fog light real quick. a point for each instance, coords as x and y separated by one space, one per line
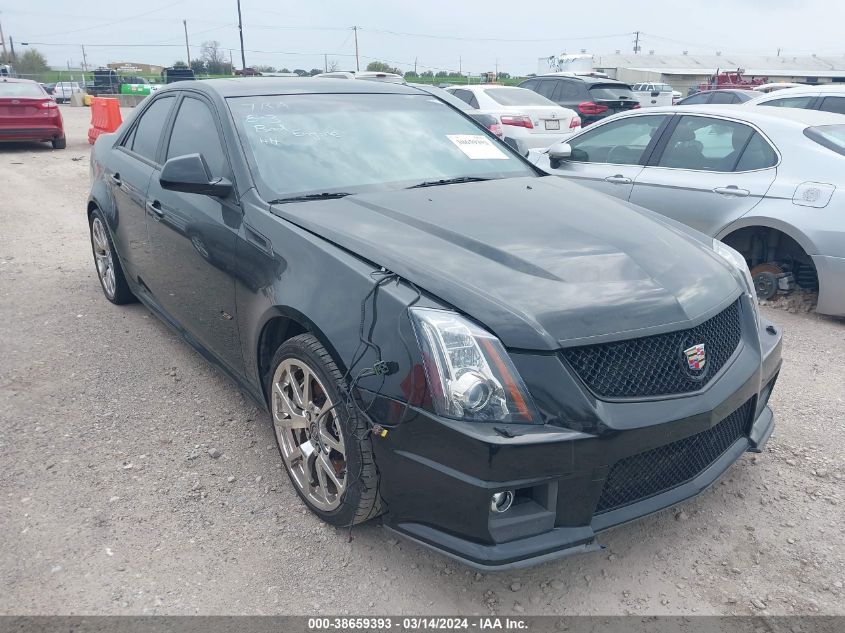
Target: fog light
501 501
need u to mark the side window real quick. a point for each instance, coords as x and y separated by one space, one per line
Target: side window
531 84
833 104
622 142
473 101
790 102
145 137
721 96
195 132
464 95
758 154
699 98
705 144
546 87
571 91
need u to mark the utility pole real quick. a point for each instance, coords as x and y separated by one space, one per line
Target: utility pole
3 40
357 62
84 59
12 45
460 65
231 64
636 42
778 52
325 63
241 34
415 65
187 46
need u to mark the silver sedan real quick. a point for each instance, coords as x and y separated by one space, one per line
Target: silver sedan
768 181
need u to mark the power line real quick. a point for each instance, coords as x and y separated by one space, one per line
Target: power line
105 24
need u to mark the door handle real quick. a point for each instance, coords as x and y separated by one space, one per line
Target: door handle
115 178
155 208
618 179
732 190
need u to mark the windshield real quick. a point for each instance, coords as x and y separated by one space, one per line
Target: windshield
610 91
314 143
517 97
22 89
830 136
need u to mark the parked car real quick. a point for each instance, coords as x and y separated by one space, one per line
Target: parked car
64 90
28 113
488 121
369 75
778 85
528 119
727 96
650 95
829 98
593 98
171 75
492 360
48 88
755 178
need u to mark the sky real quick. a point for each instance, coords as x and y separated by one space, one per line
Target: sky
468 35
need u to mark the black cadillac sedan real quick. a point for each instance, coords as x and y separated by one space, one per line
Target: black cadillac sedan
500 364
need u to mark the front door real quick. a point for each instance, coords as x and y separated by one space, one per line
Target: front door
608 157
710 172
194 238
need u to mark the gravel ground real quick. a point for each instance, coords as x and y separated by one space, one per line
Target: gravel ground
110 502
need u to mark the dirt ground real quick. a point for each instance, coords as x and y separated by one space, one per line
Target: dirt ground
111 504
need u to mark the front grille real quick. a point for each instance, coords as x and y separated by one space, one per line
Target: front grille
656 365
646 474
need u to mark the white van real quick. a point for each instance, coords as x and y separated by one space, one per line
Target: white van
653 94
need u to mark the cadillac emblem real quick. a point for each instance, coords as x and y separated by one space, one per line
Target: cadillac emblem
696 357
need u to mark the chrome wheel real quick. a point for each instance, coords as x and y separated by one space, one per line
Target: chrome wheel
103 256
308 429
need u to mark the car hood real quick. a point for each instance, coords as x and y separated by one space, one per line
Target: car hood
541 262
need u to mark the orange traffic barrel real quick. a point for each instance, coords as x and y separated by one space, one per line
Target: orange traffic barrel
105 117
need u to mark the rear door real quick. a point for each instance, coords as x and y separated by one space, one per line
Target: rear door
128 171
833 104
194 237
706 172
609 156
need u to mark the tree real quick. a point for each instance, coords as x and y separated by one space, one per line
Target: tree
284 70
31 63
411 74
198 66
315 71
442 73
300 72
179 64
381 67
265 69
333 66
215 62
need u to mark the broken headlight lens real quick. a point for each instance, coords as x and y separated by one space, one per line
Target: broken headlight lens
469 373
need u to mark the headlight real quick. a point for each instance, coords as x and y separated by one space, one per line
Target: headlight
735 258
470 375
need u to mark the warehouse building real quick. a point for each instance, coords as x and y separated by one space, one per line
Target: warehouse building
683 72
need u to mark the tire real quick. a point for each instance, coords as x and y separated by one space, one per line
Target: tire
335 439
114 285
59 143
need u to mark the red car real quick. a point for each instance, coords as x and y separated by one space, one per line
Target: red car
28 113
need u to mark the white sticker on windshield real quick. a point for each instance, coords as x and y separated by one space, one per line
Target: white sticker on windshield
476 146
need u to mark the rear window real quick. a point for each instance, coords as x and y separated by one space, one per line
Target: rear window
610 91
22 89
829 136
517 97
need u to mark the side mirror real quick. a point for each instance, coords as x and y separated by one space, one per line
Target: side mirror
560 151
189 174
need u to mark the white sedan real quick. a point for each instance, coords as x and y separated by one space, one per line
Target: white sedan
528 119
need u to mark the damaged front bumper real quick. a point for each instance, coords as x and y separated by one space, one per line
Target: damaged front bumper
569 483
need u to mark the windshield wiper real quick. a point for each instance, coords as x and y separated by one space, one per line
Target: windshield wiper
326 195
448 181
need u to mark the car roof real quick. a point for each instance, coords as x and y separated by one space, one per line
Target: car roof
588 79
257 86
752 115
802 91
17 80
480 87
